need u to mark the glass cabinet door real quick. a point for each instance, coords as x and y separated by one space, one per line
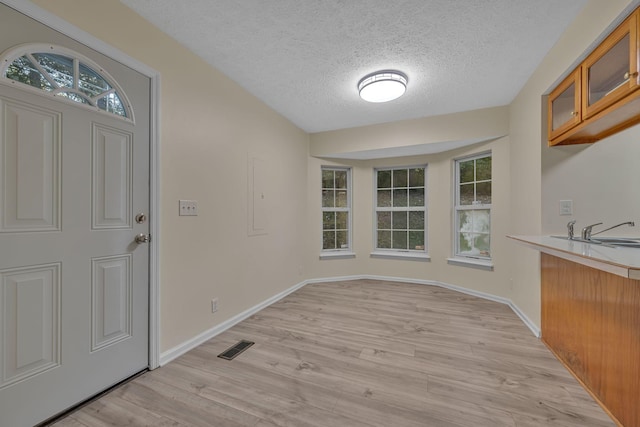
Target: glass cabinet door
611 71
564 106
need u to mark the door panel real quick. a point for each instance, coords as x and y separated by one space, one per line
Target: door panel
111 300
74 287
112 177
29 186
30 307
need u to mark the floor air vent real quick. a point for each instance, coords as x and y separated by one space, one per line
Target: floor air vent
238 348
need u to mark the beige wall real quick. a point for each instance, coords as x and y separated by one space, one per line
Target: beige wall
208 127
562 171
453 127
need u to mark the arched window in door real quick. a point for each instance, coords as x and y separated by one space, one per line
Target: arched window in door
63 73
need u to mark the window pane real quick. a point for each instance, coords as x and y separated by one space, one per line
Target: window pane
384 239
400 178
328 220
327 179
465 221
384 198
329 240
342 240
90 82
341 199
483 193
74 97
481 221
400 240
327 198
23 71
399 220
59 67
384 220
482 244
466 194
416 220
483 169
416 177
400 198
341 179
466 171
416 197
416 240
342 219
112 104
465 243
384 179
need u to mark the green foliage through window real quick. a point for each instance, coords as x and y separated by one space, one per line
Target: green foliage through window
473 207
401 209
335 209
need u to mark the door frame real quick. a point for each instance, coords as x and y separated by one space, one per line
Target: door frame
55 22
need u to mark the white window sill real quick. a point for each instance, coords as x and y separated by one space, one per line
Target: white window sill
472 263
415 256
337 255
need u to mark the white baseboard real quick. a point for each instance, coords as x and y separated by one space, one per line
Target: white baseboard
192 343
528 322
179 350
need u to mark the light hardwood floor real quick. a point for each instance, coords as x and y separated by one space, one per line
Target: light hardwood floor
360 353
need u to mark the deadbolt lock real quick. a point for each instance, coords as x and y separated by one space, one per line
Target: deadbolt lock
140 218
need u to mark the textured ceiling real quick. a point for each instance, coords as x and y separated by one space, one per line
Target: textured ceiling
304 58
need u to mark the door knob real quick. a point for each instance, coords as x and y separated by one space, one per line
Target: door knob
142 238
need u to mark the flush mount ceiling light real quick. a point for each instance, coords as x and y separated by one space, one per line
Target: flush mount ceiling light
382 86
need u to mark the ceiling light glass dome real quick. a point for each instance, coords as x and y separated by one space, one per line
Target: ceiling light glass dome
382 86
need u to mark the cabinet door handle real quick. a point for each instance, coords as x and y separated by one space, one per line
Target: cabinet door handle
628 75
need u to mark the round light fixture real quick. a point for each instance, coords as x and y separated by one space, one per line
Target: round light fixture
382 86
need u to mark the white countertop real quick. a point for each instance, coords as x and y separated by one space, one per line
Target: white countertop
624 262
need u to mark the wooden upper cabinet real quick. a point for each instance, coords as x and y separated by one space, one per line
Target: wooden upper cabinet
611 71
601 96
564 105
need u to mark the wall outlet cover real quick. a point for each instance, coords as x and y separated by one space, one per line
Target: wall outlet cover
566 207
188 208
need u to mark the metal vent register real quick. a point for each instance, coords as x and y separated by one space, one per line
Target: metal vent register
234 351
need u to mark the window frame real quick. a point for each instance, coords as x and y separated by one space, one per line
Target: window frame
66 94
460 258
337 252
421 254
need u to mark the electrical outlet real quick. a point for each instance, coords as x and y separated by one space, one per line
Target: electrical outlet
188 208
214 305
566 207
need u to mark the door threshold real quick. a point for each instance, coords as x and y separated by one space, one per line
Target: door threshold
74 408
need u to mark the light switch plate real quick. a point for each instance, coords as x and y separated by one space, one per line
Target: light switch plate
188 208
566 207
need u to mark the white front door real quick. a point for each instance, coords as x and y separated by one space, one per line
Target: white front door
73 282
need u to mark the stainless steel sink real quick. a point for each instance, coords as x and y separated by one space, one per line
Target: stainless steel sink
617 240
625 244
620 242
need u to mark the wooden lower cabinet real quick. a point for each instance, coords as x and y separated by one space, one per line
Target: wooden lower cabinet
591 321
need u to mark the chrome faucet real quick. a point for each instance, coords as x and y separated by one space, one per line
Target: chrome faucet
586 232
570 225
629 223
